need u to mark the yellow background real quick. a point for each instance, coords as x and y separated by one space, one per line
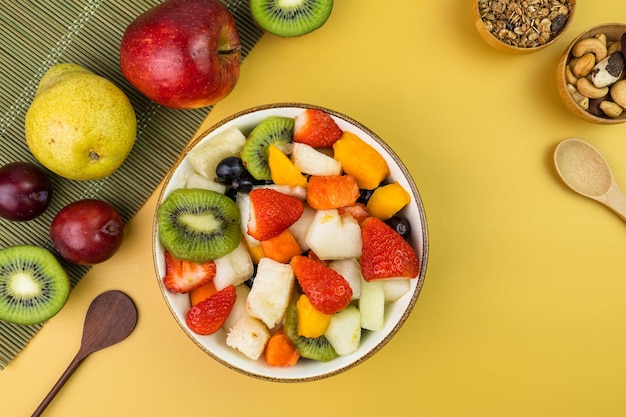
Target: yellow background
523 311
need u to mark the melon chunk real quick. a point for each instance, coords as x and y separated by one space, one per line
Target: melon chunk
310 161
239 308
344 330
196 180
350 269
372 305
395 288
233 268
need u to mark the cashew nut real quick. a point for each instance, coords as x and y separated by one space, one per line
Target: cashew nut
569 75
614 47
611 109
601 37
584 64
581 100
618 93
593 45
587 89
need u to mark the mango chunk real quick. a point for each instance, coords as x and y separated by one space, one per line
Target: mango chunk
388 200
283 171
361 161
311 322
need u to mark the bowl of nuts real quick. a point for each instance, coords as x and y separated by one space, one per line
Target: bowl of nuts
590 75
522 26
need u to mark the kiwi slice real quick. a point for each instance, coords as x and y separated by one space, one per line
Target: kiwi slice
277 130
318 348
290 18
198 225
33 285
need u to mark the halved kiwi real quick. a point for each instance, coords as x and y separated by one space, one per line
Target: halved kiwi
198 225
290 18
276 130
33 285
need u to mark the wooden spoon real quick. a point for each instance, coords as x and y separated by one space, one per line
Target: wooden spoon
585 171
111 317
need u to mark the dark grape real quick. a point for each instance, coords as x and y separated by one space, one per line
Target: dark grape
364 196
400 225
25 191
250 281
246 181
231 193
229 169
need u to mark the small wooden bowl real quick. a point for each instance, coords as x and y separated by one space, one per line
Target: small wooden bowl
613 32
502 46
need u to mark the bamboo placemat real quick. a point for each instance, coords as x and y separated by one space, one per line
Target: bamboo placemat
37 34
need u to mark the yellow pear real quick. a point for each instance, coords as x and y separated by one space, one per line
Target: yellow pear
79 125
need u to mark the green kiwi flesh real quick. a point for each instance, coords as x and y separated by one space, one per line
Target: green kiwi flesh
318 348
276 130
290 18
33 285
198 225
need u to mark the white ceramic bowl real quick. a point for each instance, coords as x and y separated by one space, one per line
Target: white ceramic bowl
396 314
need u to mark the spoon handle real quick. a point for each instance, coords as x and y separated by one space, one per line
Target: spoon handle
57 387
616 201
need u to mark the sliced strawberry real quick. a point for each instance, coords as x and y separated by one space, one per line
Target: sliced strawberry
209 315
326 289
272 212
184 276
385 253
316 128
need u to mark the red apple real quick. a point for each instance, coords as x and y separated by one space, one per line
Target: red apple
87 232
182 54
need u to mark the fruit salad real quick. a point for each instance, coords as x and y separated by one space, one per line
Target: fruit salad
289 240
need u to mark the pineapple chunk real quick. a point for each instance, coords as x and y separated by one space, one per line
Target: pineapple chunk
311 322
334 236
350 269
372 305
249 336
233 268
269 296
344 330
313 162
204 158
